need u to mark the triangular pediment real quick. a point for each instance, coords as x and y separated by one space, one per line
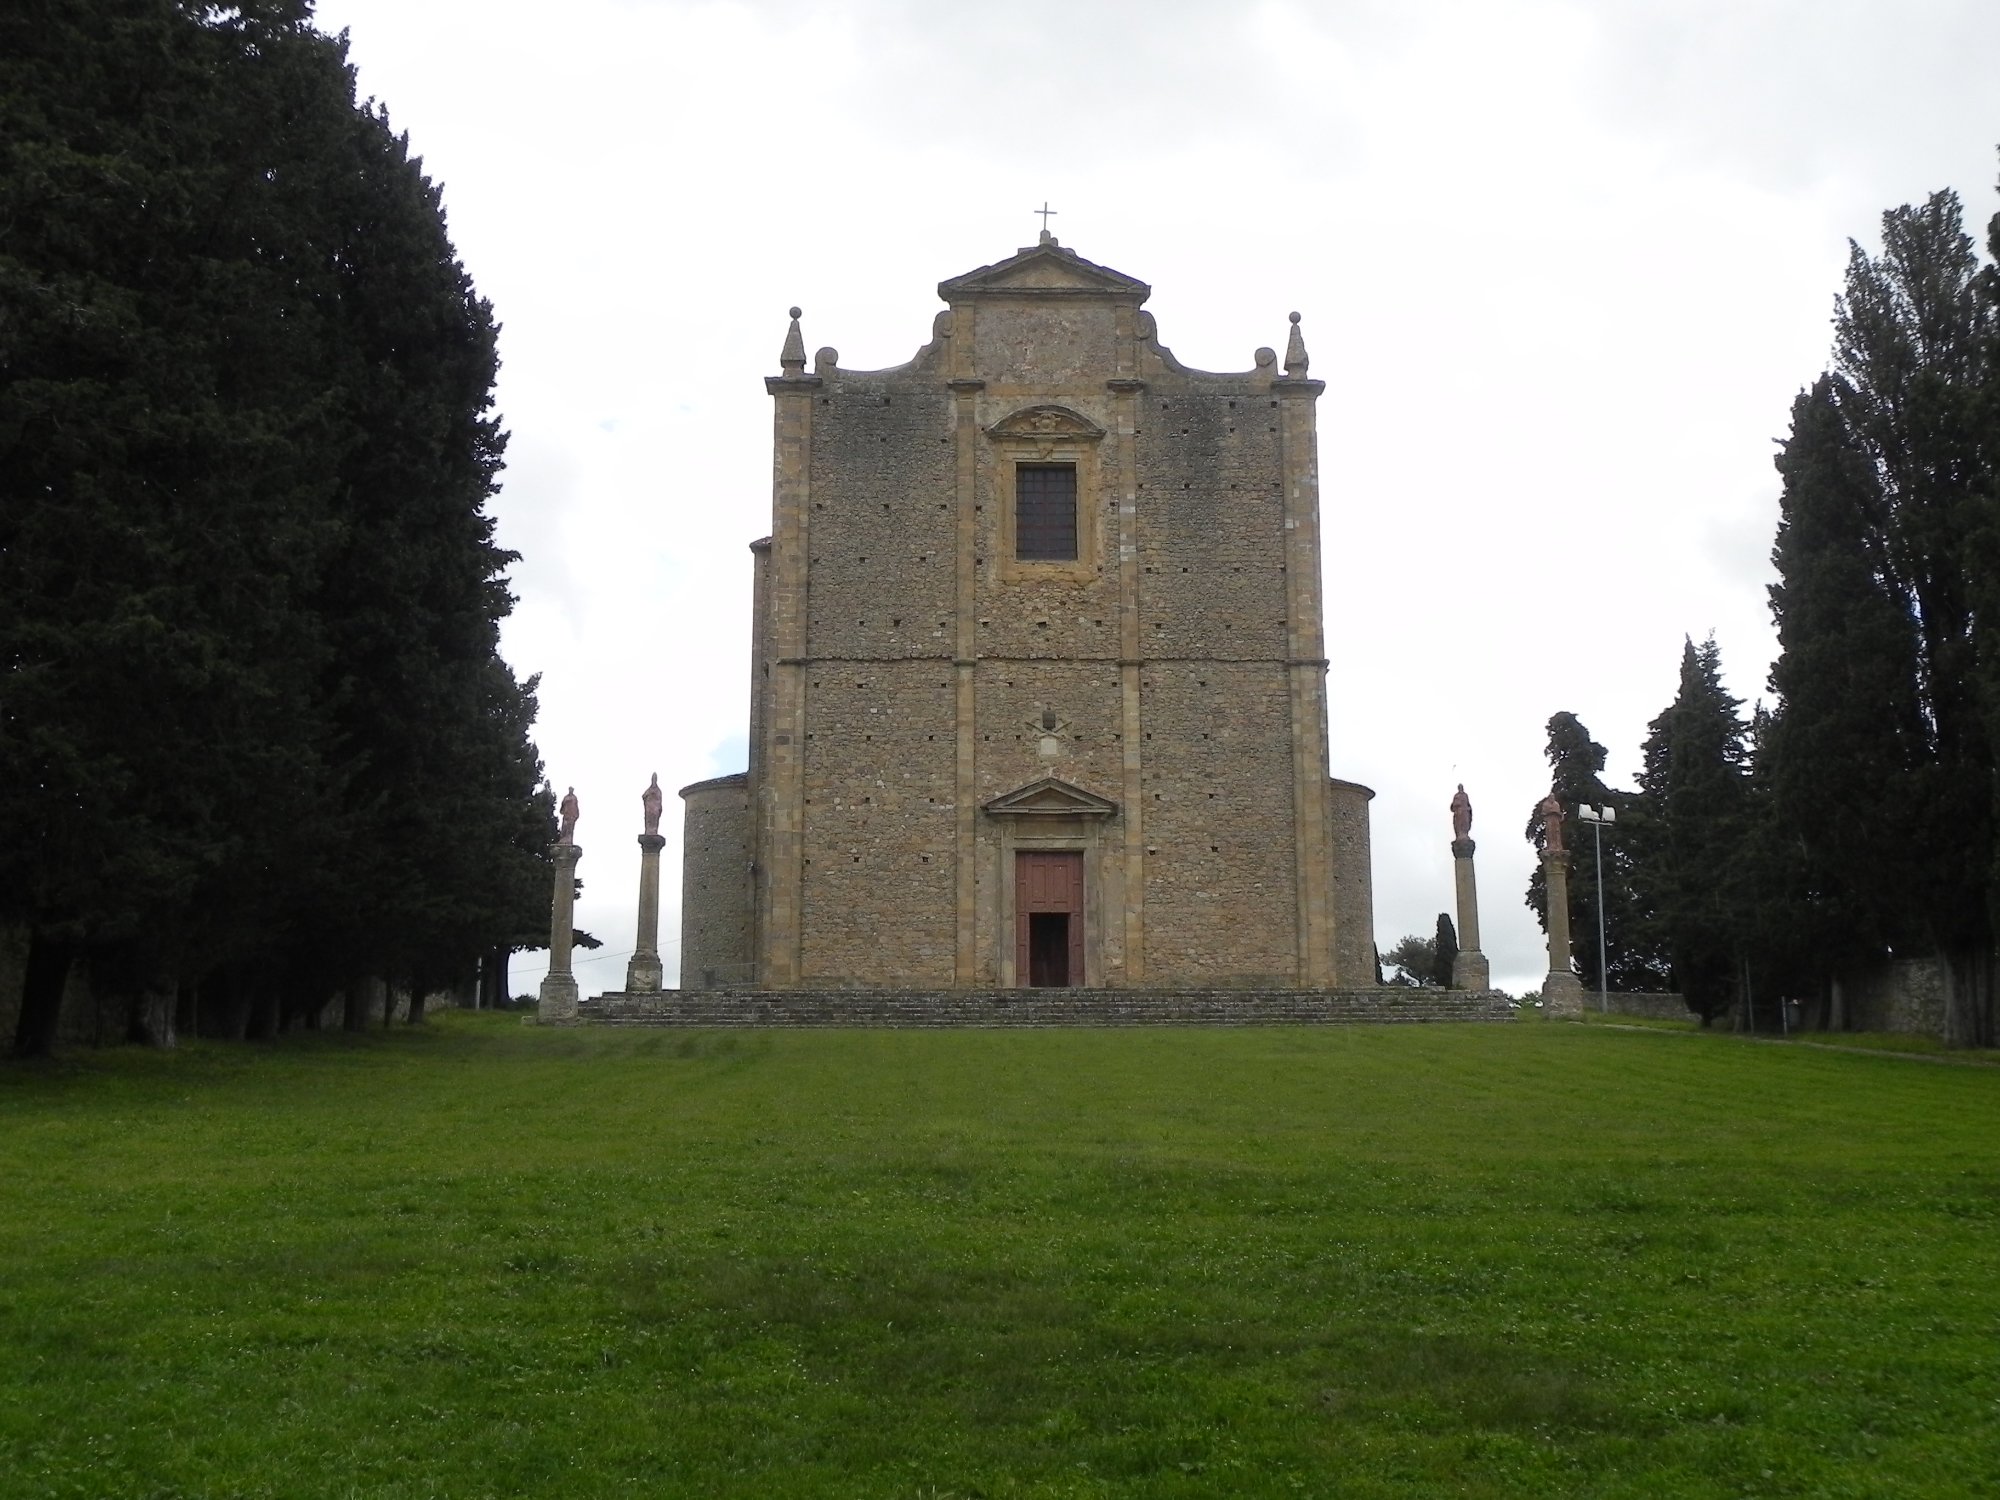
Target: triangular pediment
1051 798
1046 422
1045 270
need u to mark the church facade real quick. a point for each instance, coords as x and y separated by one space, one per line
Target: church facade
1038 682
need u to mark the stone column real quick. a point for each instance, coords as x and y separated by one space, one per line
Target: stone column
642 974
557 1002
1469 971
1562 991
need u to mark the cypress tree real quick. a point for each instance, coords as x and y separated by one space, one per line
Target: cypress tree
1886 562
1445 951
254 726
1842 754
1691 853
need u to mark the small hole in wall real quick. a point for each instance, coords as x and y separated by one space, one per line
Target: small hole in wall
1214 848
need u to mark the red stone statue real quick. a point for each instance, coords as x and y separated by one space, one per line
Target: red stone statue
571 811
1552 823
653 801
1461 815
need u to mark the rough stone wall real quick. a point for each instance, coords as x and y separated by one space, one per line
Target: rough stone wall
1211 524
1353 886
1903 995
877 904
715 884
1657 1005
881 531
1221 893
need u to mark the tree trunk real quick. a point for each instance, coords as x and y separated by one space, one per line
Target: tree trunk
359 1002
42 984
416 1006
262 1022
149 1017
187 1009
493 979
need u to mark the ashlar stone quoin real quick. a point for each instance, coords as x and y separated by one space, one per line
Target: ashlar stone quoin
1038 677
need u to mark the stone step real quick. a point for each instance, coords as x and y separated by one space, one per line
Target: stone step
1064 1007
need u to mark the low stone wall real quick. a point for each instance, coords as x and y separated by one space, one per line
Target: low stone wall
1051 1007
1656 1005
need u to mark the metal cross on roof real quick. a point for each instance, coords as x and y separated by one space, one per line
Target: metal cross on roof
1045 211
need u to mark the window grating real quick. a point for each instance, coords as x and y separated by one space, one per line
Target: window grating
1045 512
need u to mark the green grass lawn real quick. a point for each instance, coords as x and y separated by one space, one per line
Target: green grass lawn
487 1259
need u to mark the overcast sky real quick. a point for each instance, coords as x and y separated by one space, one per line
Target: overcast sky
1562 266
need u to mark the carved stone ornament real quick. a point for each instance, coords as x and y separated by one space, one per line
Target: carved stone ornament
1045 422
1049 797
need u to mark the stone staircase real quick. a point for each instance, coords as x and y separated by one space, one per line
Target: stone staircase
1051 1007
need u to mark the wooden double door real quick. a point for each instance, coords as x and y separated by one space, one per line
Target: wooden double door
1048 918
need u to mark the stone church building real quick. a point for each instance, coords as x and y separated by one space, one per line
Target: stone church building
1038 679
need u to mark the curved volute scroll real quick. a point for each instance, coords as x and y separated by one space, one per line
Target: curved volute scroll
1046 422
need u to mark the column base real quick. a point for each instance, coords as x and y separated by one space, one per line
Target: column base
1562 996
643 974
557 1001
1470 971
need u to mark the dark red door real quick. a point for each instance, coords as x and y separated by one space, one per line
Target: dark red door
1048 918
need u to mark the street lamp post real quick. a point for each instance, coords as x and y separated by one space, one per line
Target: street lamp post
1597 817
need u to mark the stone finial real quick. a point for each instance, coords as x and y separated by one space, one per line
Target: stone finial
1296 362
1047 238
792 358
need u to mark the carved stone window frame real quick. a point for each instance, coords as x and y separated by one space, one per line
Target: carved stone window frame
1047 434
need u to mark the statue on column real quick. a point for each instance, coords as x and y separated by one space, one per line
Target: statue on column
571 811
652 801
1551 809
1461 815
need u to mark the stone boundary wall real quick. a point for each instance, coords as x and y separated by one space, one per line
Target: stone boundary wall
1052 1007
1668 1005
1904 995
